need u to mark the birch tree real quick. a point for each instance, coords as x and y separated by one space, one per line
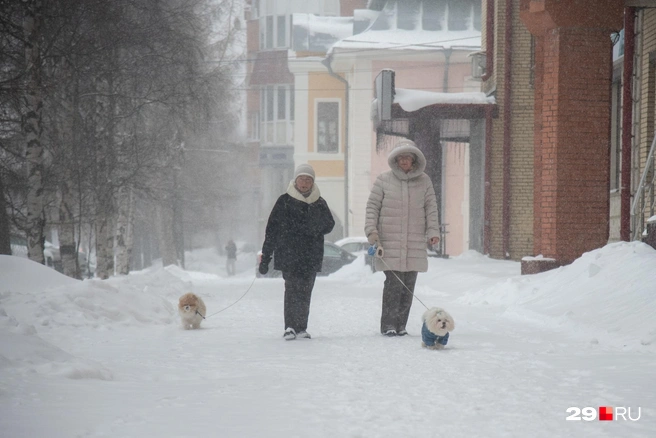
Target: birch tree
119 87
32 130
5 237
125 229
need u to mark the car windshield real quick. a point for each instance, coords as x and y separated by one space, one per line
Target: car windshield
331 251
354 246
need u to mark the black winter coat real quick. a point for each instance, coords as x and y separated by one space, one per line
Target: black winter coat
295 231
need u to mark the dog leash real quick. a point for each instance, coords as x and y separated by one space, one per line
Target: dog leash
226 308
401 281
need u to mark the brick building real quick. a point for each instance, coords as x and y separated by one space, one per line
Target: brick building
565 125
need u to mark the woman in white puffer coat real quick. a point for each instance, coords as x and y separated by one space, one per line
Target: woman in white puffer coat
401 219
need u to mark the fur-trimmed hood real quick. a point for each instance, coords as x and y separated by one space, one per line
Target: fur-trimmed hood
405 147
315 194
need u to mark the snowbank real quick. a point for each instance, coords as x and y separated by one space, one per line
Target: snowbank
608 295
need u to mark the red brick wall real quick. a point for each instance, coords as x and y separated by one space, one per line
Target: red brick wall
575 142
252 36
537 146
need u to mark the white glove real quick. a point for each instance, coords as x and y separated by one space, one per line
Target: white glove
373 238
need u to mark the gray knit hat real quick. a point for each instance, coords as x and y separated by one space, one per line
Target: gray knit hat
304 169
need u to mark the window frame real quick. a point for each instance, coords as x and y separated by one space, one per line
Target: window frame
317 103
253 125
270 120
270 31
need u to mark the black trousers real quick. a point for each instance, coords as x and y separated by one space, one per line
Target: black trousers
298 293
397 300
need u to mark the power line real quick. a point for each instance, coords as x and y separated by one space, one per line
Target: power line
361 70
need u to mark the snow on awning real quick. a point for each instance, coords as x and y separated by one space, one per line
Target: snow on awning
407 40
413 100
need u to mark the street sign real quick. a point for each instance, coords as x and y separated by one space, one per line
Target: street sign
384 95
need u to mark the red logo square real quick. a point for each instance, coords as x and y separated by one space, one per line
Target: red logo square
605 413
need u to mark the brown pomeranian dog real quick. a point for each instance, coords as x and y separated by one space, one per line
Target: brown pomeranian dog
192 311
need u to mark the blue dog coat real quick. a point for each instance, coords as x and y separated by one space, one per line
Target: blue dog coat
431 338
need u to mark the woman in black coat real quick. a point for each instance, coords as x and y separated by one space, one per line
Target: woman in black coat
294 234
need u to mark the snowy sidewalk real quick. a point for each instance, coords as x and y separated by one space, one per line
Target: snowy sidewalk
506 372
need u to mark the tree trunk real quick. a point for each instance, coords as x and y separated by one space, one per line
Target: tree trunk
5 236
104 244
67 245
68 140
165 230
32 129
105 162
124 230
178 217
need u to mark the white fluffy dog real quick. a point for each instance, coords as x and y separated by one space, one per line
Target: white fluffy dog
192 311
435 330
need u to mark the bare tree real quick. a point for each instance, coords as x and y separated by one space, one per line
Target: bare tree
32 129
121 87
5 237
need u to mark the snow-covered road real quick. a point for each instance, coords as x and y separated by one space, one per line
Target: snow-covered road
505 372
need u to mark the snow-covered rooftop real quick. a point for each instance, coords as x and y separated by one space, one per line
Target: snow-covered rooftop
418 25
413 100
411 40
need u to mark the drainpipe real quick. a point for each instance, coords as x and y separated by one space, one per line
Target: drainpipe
489 69
447 64
487 215
627 124
327 62
489 40
507 114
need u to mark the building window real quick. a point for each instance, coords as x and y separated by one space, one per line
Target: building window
255 8
459 15
282 103
254 126
281 31
433 15
274 32
408 15
476 16
327 127
268 43
269 98
277 114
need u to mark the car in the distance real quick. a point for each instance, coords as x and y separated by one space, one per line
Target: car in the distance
357 246
334 258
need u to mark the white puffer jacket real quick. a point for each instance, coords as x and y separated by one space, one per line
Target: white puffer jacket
402 209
